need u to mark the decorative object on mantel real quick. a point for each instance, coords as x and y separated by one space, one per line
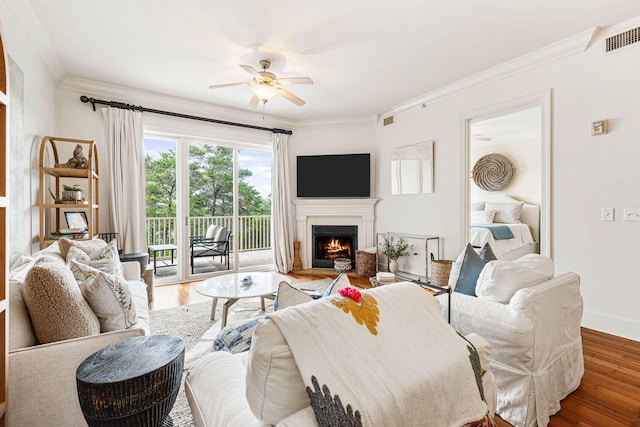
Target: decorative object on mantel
394 251
78 161
492 172
297 262
342 265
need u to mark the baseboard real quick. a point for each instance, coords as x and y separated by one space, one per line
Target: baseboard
622 327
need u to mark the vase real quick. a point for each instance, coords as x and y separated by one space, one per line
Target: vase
393 266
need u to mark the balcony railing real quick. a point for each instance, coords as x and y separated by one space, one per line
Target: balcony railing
254 231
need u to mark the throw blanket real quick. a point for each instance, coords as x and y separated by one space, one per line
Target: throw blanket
390 359
499 232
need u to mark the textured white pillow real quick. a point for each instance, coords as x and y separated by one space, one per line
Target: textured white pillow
506 213
501 279
105 259
108 296
482 217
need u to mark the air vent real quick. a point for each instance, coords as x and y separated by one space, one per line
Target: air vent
388 121
623 39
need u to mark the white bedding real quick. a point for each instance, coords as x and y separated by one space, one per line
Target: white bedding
478 236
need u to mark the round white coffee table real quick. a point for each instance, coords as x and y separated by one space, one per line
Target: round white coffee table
229 286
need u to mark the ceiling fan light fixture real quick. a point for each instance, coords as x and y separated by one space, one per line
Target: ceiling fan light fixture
263 91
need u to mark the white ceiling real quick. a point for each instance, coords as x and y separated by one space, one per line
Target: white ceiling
364 56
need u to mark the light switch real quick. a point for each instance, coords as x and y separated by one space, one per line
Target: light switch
607 214
632 214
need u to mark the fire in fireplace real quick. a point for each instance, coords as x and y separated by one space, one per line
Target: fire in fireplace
331 242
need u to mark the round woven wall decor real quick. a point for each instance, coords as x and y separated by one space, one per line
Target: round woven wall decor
492 172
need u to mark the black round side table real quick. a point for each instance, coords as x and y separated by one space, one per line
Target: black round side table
131 383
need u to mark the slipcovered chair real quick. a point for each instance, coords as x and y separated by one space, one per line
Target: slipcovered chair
214 243
534 332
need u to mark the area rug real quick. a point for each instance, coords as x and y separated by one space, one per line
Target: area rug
193 324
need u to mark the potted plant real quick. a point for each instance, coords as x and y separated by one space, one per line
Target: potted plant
394 251
71 192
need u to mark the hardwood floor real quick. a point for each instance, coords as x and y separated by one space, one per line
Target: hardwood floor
609 394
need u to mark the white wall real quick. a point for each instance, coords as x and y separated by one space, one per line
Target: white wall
37 121
588 173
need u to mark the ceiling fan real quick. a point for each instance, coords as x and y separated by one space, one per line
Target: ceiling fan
265 84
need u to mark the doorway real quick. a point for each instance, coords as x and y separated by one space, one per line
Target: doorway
518 131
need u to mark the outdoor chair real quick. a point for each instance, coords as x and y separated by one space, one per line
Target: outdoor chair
214 243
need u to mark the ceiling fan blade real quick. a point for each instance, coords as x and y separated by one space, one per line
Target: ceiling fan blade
295 81
253 104
229 85
289 96
249 69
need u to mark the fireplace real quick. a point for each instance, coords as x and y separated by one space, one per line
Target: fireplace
331 242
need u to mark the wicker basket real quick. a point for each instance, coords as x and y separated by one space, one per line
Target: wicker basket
440 270
365 263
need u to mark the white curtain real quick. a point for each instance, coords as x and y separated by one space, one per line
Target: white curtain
125 163
282 215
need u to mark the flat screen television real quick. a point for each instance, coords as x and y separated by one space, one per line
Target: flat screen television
334 175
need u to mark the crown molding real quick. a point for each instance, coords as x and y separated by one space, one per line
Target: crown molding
157 100
336 122
575 44
619 28
27 20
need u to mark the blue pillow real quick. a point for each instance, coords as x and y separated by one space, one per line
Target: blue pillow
236 338
472 265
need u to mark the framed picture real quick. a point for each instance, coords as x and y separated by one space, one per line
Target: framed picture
76 220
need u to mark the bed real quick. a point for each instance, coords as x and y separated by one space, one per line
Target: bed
510 226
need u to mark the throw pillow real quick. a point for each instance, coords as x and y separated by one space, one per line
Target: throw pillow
482 217
55 303
288 296
236 338
105 259
486 254
500 280
109 296
506 213
342 281
88 246
470 268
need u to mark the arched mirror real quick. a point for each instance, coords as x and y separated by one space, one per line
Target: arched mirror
507 186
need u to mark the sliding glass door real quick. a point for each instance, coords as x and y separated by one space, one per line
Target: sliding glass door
210 200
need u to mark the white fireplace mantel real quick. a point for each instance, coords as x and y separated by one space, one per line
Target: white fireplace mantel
309 212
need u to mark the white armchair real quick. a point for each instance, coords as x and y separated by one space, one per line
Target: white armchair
536 354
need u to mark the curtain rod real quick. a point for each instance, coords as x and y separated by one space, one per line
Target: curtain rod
124 106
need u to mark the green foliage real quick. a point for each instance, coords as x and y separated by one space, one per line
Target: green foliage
394 250
74 187
210 184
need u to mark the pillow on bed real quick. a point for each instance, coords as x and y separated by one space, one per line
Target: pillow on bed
477 206
506 213
482 217
500 280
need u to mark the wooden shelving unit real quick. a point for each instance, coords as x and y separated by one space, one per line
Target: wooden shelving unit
57 176
4 234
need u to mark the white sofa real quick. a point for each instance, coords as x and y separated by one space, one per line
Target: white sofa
264 386
536 354
42 379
